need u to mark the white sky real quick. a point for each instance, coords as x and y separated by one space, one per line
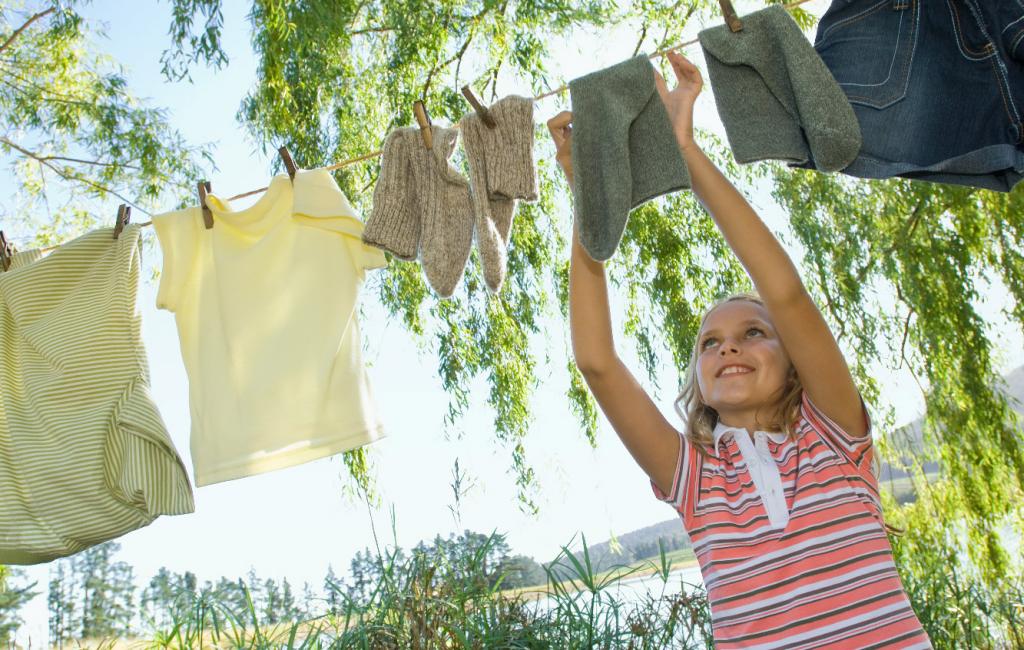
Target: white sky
293 523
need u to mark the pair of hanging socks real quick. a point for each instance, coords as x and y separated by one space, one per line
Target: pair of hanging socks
422 206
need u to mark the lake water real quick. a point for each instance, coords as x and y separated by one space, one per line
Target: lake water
635 591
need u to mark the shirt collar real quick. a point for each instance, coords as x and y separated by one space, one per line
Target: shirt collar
721 430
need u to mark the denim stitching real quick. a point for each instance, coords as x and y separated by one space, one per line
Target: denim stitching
891 64
853 18
1002 93
1016 41
915 28
1012 23
966 52
980 19
999 64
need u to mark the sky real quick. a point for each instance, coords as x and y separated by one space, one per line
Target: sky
295 522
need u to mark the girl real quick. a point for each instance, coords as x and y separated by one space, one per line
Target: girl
772 475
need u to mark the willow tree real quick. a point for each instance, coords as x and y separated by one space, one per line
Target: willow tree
898 267
72 131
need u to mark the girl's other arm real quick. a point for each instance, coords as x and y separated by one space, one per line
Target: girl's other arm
648 436
811 347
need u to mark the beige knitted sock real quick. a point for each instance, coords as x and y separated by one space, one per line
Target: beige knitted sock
501 171
394 222
445 209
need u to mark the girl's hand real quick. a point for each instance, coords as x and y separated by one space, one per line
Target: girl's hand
679 101
560 127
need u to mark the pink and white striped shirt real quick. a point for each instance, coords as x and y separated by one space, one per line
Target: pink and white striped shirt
826 578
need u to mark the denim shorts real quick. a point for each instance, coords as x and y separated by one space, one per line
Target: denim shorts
937 86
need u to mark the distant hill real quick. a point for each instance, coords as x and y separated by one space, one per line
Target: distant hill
909 439
643 543
638 545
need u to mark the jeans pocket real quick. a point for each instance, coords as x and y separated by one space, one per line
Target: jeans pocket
868 45
1013 38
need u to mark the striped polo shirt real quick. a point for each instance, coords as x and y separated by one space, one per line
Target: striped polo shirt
827 578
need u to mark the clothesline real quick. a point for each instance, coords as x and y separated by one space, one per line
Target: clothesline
557 91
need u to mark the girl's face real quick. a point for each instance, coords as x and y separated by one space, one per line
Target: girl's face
741 364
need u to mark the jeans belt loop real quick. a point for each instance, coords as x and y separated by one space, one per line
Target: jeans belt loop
900 5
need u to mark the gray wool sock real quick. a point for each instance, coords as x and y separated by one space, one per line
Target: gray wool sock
776 97
501 171
394 222
624 151
446 211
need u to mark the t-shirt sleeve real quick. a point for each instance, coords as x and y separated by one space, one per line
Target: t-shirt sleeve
178 233
681 487
366 257
858 450
321 204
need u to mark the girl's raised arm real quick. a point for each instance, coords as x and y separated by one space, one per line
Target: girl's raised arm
648 436
811 347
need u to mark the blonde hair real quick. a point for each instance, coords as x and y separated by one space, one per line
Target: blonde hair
701 419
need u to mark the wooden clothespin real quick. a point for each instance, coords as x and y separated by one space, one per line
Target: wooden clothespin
6 252
731 19
124 216
204 189
481 110
423 119
289 164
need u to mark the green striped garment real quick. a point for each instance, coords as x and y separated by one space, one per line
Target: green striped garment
84 454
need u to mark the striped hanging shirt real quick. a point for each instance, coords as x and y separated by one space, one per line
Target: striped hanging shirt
84 454
825 578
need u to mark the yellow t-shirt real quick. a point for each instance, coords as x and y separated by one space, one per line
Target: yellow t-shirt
265 304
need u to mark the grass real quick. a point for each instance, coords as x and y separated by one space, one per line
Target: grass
432 603
423 603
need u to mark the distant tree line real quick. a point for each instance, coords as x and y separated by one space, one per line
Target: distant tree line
92 595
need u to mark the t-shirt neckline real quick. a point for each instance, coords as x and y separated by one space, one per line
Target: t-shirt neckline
277 201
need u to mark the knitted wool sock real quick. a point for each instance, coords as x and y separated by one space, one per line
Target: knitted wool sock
446 211
776 97
501 170
394 222
624 152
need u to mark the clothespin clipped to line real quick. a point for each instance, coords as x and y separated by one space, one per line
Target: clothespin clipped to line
423 119
204 189
124 216
481 110
6 252
289 164
731 19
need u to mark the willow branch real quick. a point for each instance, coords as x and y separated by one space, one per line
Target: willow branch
640 41
903 344
96 163
682 23
494 81
908 230
45 93
43 160
17 32
461 52
371 30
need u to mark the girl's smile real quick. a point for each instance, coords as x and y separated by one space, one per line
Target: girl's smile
742 366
